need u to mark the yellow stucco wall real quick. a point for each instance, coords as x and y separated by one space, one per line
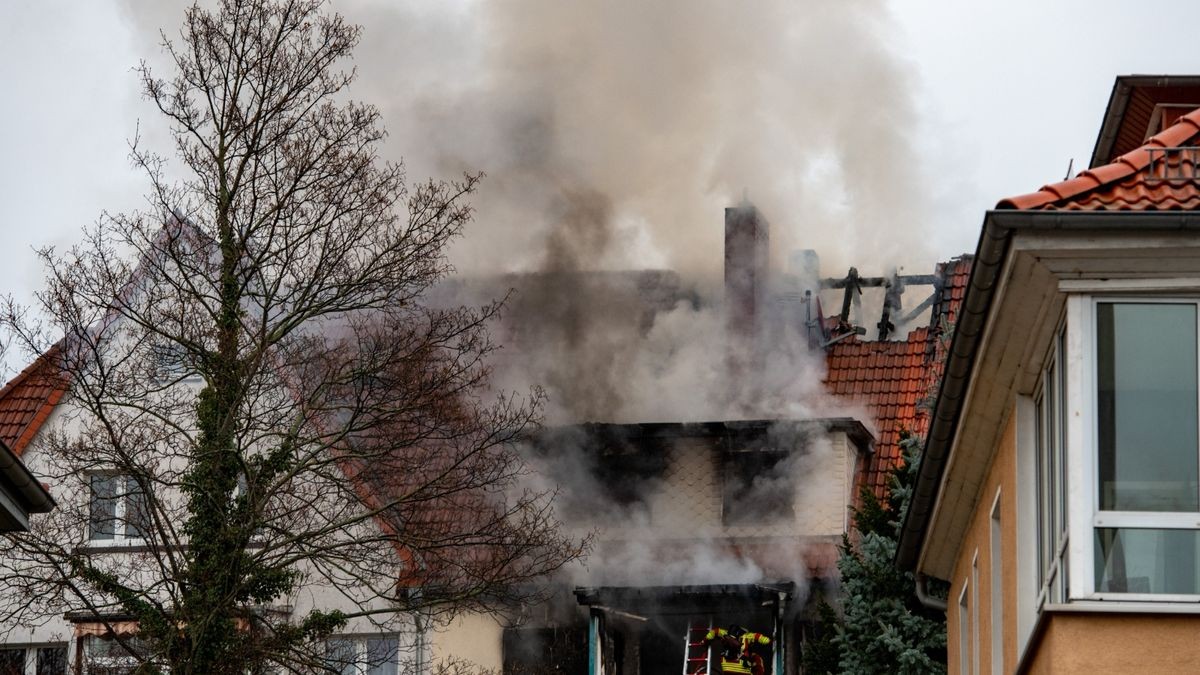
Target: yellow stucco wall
473 638
1001 475
1097 644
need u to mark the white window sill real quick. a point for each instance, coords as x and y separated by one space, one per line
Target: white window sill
113 546
1124 607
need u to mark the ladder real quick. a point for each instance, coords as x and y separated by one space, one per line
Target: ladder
695 653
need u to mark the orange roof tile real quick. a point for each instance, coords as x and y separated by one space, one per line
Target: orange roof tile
1132 182
894 378
28 399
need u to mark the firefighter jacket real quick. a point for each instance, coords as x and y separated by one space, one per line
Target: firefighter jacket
735 654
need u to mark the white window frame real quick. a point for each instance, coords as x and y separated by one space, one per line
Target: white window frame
1083 467
120 511
975 613
996 587
964 629
31 654
1052 465
122 659
415 646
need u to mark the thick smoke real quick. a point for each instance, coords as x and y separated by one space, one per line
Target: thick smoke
648 118
614 133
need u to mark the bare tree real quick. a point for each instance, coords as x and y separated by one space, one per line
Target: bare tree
259 401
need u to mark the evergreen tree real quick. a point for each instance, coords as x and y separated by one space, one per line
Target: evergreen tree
883 628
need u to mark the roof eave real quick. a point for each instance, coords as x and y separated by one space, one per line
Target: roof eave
991 254
34 498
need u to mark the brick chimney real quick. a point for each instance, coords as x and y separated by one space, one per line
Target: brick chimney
746 260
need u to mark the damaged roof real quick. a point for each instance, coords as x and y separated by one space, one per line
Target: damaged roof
895 379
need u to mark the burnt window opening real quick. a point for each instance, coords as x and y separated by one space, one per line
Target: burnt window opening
601 468
757 488
626 473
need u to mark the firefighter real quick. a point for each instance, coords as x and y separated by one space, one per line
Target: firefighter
734 648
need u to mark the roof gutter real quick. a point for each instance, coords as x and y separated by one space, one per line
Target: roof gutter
33 497
990 255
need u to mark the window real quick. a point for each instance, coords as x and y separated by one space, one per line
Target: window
975 613
38 660
117 508
106 655
1146 445
1119 414
374 655
996 591
51 660
964 631
1051 453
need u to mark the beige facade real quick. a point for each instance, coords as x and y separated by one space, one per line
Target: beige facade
975 564
1104 644
1057 493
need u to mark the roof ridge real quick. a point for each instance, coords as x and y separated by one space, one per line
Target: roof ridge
1127 165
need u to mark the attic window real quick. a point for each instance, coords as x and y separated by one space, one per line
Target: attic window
1167 114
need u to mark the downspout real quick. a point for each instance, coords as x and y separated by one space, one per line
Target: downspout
927 600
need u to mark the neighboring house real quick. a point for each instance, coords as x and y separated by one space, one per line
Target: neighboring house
80 641
24 403
1059 493
20 493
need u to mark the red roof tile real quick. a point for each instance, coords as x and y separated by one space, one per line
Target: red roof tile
894 378
28 399
1132 182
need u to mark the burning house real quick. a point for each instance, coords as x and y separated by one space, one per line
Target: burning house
716 466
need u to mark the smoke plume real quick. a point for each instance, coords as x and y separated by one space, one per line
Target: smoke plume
613 134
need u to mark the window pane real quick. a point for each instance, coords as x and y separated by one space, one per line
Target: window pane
1147 561
1043 525
52 661
1146 371
339 656
12 661
103 507
381 655
137 517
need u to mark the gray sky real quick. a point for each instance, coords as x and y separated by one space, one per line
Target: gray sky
1005 94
